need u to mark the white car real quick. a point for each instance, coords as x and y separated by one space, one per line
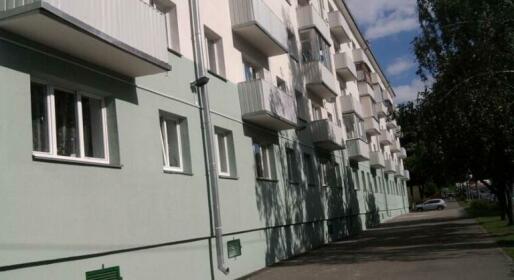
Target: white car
431 204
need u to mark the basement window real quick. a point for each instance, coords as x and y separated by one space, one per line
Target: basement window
111 273
68 125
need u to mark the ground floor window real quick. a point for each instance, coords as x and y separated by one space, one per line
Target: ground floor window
68 124
172 143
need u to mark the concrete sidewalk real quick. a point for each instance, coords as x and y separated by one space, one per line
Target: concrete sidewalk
428 245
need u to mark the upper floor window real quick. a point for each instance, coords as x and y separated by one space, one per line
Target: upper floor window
169 9
264 161
315 48
69 125
224 143
308 165
215 56
292 165
354 127
173 140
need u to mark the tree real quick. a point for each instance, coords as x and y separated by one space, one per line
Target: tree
467 118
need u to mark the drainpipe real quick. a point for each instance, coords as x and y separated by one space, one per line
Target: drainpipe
208 129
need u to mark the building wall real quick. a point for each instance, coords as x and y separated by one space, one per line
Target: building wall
60 220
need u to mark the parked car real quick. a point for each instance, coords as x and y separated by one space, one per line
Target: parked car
431 204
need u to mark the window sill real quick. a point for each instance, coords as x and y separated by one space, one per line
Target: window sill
54 159
266 180
219 76
293 183
228 177
171 171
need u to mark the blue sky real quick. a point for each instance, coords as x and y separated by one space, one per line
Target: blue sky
390 26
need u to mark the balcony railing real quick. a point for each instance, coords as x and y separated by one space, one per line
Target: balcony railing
124 36
399 171
380 109
371 126
308 17
406 175
345 67
377 160
326 135
266 105
350 104
386 138
403 153
390 167
365 90
392 124
339 26
358 149
395 146
254 21
320 81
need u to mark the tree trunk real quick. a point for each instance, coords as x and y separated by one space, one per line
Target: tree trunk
501 203
508 191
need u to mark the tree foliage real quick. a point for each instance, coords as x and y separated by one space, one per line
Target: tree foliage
465 123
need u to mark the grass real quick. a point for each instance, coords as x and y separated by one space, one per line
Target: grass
487 215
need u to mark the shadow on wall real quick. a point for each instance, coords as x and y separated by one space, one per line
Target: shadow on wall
353 209
372 214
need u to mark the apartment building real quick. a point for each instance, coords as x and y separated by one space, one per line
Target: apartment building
104 151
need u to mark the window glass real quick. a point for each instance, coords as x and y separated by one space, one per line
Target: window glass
258 160
222 153
92 123
66 124
172 143
40 141
291 164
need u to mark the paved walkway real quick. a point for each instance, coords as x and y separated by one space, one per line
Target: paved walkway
434 245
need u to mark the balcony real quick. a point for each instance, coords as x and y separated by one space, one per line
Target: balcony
376 160
111 34
339 27
359 56
308 17
350 104
345 67
395 146
392 124
358 149
399 171
266 105
371 126
390 167
255 22
365 90
380 109
403 153
386 138
302 104
326 135
406 175
320 81
375 79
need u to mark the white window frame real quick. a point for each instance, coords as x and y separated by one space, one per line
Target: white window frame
52 130
266 152
166 146
224 136
324 173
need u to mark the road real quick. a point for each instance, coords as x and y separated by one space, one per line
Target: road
428 245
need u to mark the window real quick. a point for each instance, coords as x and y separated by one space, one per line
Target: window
315 48
215 55
363 181
172 138
169 9
252 71
224 143
337 171
324 173
68 125
356 181
110 273
292 171
308 166
264 161
281 84
317 113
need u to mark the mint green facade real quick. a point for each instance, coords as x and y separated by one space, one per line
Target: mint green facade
60 220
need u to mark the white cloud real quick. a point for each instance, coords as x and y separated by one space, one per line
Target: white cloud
382 18
409 92
400 66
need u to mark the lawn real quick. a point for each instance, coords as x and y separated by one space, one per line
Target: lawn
487 216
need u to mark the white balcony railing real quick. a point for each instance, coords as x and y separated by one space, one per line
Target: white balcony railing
377 160
345 67
365 90
350 104
358 150
259 25
320 80
265 104
126 36
386 138
308 17
371 126
390 166
339 26
327 135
